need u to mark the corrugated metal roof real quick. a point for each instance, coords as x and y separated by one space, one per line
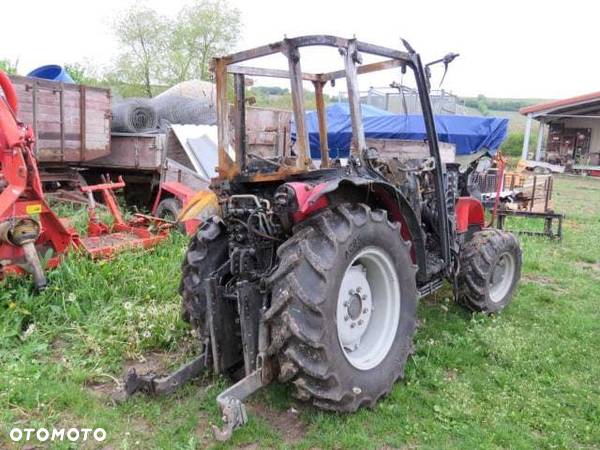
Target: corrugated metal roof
549 106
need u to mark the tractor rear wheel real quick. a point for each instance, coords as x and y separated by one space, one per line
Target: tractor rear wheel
343 307
490 270
207 251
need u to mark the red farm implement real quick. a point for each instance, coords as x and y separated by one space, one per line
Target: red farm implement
29 228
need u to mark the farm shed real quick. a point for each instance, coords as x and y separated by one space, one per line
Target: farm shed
569 131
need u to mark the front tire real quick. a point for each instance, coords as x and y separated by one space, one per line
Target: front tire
206 252
490 270
346 266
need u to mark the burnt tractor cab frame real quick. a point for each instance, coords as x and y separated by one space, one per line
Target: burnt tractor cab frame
312 275
236 171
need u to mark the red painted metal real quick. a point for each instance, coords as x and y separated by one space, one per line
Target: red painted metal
174 189
104 241
469 212
22 197
9 92
309 199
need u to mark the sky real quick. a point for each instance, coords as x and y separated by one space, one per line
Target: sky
524 49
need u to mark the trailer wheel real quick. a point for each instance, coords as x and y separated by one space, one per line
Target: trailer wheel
490 270
343 308
207 251
169 208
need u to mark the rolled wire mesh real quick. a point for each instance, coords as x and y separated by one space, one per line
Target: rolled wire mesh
184 110
134 115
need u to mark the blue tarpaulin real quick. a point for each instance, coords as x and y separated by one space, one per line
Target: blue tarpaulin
469 133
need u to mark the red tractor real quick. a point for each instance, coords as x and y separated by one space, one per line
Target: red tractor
313 274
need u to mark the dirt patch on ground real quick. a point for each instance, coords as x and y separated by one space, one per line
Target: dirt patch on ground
544 281
57 347
450 374
155 362
288 423
592 268
538 279
203 431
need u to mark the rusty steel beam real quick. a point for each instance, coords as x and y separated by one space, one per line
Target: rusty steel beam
302 142
351 58
367 68
239 120
311 40
383 51
257 52
322 116
262 72
226 167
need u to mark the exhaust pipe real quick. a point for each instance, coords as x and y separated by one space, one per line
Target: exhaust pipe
23 233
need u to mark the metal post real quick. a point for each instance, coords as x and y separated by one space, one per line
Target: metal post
540 140
322 116
302 142
240 120
225 162
351 58
526 137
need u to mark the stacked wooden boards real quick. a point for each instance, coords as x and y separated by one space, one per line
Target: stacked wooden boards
71 122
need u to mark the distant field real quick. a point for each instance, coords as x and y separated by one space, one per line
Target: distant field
505 107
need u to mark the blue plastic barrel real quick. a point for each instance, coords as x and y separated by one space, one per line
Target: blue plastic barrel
51 72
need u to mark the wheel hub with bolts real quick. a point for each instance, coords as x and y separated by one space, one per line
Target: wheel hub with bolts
368 308
502 277
355 307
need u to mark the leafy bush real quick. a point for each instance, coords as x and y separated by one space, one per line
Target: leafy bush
8 66
513 145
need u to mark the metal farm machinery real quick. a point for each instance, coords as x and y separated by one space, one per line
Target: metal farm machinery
30 232
312 270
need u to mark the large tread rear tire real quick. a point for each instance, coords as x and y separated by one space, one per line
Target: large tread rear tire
206 252
478 257
303 308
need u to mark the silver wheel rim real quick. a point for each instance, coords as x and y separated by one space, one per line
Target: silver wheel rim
368 308
502 277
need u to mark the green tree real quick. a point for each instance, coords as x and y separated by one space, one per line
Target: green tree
202 30
81 74
8 66
142 33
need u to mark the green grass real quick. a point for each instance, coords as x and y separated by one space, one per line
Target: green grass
527 378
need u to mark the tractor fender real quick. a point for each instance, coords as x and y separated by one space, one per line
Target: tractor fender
314 197
469 214
202 205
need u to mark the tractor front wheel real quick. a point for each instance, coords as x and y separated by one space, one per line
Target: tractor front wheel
343 307
490 270
206 252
